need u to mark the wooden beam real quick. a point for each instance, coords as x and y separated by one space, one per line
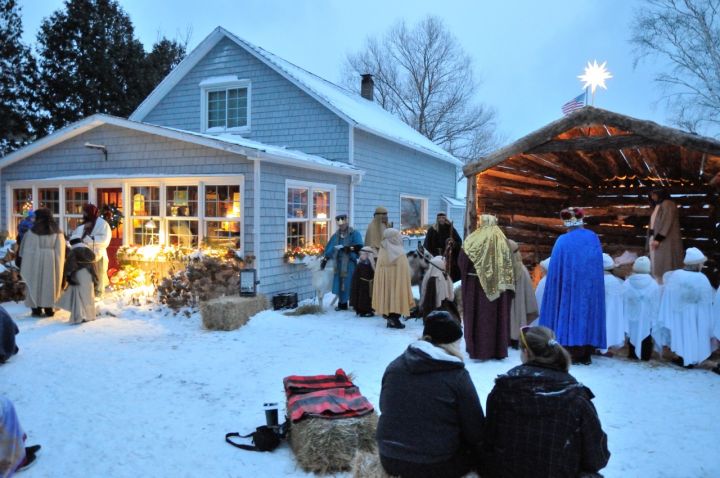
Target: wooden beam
591 144
520 178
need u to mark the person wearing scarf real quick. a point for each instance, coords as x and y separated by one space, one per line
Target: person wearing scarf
81 276
376 228
392 292
43 255
436 287
664 240
442 239
96 233
488 284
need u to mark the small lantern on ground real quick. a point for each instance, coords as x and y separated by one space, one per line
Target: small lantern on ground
248 282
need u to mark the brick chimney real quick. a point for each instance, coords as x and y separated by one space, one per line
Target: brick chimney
367 87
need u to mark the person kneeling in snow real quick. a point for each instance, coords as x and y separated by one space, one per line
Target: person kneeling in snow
432 421
81 275
540 420
14 455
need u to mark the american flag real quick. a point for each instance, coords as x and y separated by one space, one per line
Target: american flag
574 104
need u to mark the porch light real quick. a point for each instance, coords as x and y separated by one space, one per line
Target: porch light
248 282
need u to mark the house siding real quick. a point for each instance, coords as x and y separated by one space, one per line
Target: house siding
392 170
280 113
457 216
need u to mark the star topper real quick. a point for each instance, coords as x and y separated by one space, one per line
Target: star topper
594 76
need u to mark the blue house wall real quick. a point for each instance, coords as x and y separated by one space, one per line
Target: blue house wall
280 113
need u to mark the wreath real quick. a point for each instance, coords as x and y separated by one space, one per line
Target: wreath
112 216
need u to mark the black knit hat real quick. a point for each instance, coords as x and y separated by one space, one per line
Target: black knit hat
442 328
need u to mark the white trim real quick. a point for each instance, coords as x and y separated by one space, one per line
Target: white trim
257 189
224 83
332 188
233 145
423 212
351 144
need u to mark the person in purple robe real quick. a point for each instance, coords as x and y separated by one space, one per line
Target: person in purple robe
574 300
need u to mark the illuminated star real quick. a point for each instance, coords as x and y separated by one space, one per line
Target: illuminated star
595 75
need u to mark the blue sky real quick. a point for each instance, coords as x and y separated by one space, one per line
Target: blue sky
527 53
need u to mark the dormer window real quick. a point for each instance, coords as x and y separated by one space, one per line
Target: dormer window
225 105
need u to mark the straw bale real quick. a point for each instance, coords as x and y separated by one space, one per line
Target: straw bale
231 312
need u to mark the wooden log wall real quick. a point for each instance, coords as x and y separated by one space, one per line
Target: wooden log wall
527 204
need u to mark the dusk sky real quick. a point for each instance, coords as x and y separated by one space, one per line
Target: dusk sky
528 54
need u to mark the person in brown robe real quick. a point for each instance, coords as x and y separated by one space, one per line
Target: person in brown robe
524 307
392 294
362 283
488 285
664 240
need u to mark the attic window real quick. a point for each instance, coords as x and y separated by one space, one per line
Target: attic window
225 105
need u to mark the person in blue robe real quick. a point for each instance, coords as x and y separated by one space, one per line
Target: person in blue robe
343 247
574 300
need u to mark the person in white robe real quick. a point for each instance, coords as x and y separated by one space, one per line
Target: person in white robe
540 289
524 307
96 233
436 287
641 305
81 276
614 317
686 310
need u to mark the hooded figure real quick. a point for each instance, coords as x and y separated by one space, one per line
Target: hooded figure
615 324
686 310
43 257
540 289
392 293
8 331
96 233
81 276
540 421
25 225
376 228
343 247
488 284
524 308
641 304
574 299
664 239
442 239
362 283
436 287
431 421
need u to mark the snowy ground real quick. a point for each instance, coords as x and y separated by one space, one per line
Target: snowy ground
149 393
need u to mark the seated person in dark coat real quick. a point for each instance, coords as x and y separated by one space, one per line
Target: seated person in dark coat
432 421
540 421
8 331
439 237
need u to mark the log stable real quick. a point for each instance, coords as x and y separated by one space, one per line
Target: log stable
606 163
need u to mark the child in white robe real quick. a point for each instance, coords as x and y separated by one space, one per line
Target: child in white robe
81 275
614 318
641 305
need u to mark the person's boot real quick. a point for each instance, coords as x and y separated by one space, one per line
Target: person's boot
36 312
646 348
49 312
631 352
342 306
514 344
394 322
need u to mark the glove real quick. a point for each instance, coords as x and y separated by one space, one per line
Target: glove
323 263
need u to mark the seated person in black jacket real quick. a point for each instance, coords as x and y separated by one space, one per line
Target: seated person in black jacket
540 420
432 421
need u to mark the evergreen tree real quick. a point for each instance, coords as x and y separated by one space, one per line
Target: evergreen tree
18 80
165 55
90 62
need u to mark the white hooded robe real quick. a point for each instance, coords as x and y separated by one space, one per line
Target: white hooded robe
615 325
641 305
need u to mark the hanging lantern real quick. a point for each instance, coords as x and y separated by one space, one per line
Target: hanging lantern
248 282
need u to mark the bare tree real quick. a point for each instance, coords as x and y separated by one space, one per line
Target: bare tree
423 75
685 33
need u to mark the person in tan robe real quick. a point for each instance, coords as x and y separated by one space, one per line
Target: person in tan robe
524 306
81 276
664 240
376 228
392 292
43 256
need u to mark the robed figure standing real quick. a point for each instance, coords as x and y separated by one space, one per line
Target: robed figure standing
574 298
524 308
343 247
441 239
488 284
664 239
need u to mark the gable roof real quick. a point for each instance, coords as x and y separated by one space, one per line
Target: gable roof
634 133
357 111
252 150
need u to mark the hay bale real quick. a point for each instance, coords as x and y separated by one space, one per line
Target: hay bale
231 312
306 309
366 464
329 445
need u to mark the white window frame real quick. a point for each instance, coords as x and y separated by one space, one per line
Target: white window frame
311 186
126 184
423 212
219 84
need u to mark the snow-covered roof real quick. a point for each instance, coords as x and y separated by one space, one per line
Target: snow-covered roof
252 150
353 108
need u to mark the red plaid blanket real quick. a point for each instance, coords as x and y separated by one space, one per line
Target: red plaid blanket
324 396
